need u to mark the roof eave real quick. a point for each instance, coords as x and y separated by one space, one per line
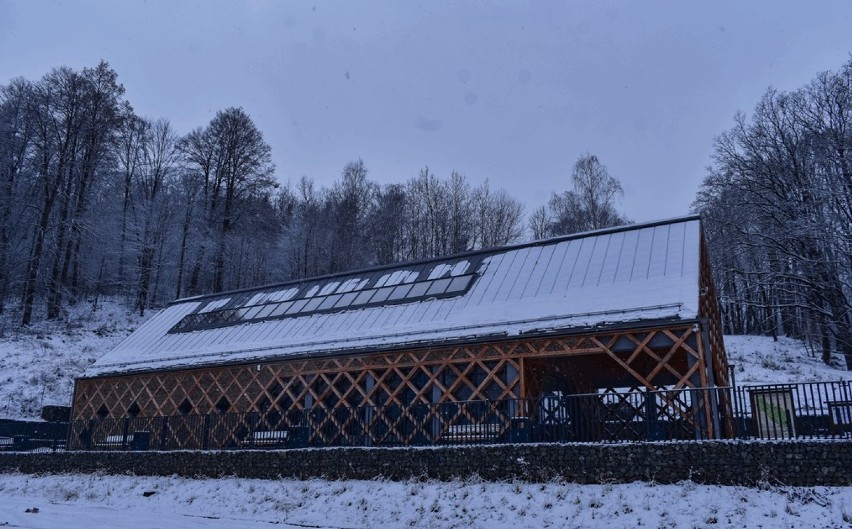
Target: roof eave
637 325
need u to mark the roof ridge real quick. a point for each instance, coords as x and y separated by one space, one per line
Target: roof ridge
470 253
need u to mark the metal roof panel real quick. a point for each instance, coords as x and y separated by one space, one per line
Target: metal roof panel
644 272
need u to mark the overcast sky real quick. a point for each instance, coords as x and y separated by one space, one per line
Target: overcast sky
509 91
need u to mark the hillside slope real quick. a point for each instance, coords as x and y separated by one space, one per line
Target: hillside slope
760 360
38 364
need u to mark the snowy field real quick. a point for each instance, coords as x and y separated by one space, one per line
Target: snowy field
71 502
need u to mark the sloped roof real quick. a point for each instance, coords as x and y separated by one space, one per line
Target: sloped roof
636 273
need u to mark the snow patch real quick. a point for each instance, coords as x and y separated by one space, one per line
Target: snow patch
454 270
351 285
329 288
272 297
398 277
213 305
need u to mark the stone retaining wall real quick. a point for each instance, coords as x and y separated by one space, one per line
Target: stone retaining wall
798 463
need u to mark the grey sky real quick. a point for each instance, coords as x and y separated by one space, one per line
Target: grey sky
510 91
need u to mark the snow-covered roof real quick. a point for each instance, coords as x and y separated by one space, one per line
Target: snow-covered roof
635 273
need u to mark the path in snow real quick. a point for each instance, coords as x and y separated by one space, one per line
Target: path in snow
13 513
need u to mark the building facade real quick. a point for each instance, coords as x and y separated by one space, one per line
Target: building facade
404 353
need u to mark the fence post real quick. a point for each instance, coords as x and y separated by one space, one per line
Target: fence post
68 432
205 441
54 438
650 416
125 430
740 400
164 433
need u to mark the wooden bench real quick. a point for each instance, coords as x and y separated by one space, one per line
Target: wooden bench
472 433
840 414
266 438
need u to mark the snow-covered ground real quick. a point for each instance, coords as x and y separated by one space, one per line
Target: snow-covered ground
85 501
38 364
760 360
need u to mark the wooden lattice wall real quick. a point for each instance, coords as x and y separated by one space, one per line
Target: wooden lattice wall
712 323
709 312
648 358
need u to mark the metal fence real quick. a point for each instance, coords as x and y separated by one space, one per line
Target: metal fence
778 411
802 410
607 417
32 435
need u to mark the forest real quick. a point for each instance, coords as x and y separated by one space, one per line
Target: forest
777 205
97 201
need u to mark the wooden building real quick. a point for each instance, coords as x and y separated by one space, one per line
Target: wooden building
589 314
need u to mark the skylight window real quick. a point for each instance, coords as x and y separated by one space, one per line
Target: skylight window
399 292
297 306
364 297
252 312
399 286
459 283
438 287
346 300
312 304
281 309
419 289
329 302
382 294
267 310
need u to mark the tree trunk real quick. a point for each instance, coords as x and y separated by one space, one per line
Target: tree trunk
35 261
54 298
195 275
182 254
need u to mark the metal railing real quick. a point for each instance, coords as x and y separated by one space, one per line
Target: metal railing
777 411
800 410
627 416
32 435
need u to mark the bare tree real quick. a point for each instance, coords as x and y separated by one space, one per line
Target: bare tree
101 115
15 142
778 215
306 235
498 217
591 205
597 191
351 200
129 157
56 111
387 224
160 156
540 223
235 164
